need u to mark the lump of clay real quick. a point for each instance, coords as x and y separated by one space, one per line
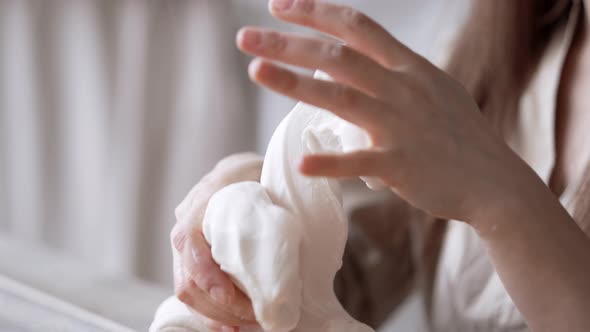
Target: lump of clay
257 243
282 240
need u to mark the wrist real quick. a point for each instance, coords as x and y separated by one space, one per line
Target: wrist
514 201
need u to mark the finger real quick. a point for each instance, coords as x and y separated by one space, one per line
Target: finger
345 102
229 329
199 263
231 169
355 28
210 324
341 62
353 164
208 276
236 168
191 210
196 300
194 297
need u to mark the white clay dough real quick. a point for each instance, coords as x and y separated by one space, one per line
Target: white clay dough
282 240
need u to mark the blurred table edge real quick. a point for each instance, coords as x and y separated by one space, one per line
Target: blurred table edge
44 282
28 309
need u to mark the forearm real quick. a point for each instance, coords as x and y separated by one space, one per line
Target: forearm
542 257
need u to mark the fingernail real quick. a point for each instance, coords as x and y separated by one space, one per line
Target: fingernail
228 329
254 67
219 295
250 38
281 4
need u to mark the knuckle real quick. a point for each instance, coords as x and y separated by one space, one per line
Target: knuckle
345 97
405 93
200 258
183 293
276 42
205 278
356 20
332 51
339 54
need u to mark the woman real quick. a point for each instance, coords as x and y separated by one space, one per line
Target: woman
517 260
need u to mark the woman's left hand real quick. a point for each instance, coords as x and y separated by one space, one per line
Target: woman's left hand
430 143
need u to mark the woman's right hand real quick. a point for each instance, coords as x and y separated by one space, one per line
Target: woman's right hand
198 280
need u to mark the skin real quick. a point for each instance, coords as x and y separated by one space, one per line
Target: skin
431 146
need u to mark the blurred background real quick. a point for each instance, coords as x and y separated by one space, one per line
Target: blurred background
110 111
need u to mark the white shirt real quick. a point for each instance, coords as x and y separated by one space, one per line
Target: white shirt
468 294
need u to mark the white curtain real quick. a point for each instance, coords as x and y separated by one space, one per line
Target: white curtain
109 112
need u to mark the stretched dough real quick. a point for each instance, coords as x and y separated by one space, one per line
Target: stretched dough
282 240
